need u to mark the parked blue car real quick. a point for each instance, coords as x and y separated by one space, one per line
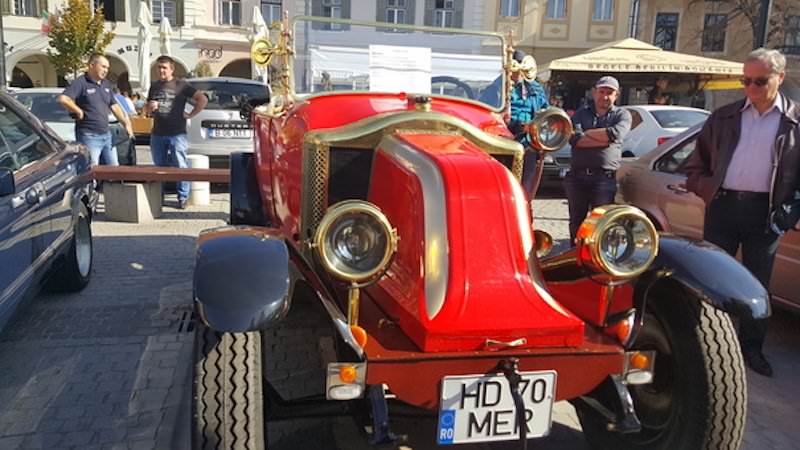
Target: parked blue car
46 203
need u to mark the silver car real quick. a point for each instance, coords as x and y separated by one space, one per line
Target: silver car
219 129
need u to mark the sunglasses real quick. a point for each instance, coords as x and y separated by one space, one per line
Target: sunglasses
760 81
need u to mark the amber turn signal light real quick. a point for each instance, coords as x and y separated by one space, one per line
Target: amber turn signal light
639 361
360 334
348 374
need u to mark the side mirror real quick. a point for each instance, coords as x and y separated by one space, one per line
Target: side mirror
7 186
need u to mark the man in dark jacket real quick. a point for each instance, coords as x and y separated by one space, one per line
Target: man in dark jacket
745 167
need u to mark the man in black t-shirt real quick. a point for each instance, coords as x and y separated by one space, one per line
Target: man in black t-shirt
166 101
90 99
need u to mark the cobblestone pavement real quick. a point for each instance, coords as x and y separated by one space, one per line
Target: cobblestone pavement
108 368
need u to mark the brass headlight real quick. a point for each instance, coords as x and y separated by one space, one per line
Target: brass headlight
550 129
355 241
618 240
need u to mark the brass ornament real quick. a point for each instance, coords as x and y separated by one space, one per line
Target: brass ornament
262 52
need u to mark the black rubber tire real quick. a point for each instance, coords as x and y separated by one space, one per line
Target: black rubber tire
227 404
698 399
74 273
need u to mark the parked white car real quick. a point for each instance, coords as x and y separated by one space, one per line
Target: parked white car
653 125
219 129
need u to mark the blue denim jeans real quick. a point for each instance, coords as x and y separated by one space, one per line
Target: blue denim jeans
170 151
100 148
587 191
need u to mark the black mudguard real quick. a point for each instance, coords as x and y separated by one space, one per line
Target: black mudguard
708 273
244 280
241 278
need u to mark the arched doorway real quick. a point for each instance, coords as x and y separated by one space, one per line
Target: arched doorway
116 69
238 68
20 79
34 70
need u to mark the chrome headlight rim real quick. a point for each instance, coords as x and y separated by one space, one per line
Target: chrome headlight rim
541 119
597 224
330 219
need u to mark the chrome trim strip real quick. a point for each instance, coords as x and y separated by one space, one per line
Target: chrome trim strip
38 263
437 249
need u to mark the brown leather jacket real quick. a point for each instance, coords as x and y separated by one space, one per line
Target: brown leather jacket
705 169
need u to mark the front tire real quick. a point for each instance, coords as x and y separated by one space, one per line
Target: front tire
74 274
698 398
227 404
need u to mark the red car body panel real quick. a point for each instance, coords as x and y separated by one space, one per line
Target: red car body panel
488 269
415 377
352 107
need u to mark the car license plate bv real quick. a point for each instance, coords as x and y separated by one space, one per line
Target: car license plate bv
229 133
479 408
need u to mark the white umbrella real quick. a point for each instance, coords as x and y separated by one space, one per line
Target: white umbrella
259 30
145 37
165 33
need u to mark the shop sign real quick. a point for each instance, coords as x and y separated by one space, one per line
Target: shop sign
211 53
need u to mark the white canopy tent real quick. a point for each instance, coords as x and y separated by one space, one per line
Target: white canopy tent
165 36
144 19
634 56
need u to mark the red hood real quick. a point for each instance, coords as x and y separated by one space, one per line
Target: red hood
461 273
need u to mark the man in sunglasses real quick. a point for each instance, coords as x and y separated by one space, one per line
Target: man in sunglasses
745 167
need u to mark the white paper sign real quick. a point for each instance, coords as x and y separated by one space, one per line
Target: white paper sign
399 69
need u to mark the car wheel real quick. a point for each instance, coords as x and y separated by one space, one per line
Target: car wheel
227 404
74 274
698 397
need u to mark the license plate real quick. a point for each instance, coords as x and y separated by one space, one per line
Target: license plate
562 172
229 133
479 408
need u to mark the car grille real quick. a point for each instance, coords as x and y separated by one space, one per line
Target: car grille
225 124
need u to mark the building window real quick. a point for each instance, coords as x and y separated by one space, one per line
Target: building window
666 34
230 12
271 11
603 10
714 32
556 9
443 13
332 9
25 8
791 36
396 11
509 8
164 8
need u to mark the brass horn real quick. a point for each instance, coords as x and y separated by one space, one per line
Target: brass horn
262 51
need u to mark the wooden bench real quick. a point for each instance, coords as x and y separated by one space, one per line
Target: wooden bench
138 197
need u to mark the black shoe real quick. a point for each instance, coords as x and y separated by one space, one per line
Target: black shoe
758 363
182 203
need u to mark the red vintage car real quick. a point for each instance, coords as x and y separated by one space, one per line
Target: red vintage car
381 258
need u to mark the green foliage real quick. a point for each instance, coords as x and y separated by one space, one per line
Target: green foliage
203 69
75 34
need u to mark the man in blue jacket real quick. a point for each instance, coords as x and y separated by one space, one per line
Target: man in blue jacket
527 98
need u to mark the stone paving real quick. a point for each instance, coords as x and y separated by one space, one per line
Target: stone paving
108 368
